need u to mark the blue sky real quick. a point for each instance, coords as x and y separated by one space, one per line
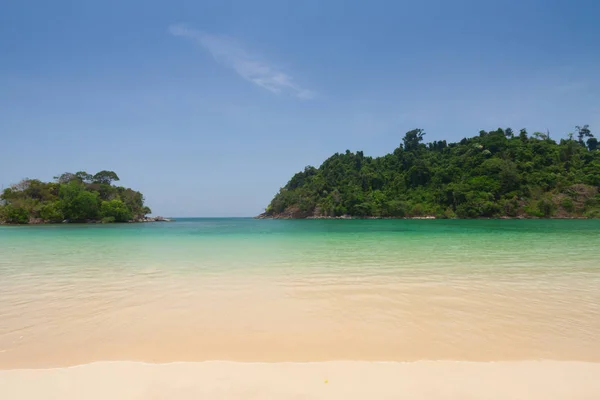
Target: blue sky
208 107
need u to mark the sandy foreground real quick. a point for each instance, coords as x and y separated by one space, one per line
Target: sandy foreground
323 380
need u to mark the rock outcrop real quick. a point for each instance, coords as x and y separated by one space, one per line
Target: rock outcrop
152 219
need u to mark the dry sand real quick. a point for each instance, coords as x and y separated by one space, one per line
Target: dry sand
346 380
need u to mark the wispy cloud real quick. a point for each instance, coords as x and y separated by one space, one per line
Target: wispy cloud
230 53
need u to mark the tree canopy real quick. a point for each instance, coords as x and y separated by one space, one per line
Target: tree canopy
495 174
73 197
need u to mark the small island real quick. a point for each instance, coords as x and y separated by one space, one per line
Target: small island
497 174
73 198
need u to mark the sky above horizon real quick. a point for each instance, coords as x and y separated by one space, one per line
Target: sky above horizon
208 108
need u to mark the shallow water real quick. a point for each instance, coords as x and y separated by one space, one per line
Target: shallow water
262 290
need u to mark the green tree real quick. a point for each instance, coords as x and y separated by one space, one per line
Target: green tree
115 209
105 177
84 177
582 133
52 212
523 135
78 204
412 139
14 215
66 178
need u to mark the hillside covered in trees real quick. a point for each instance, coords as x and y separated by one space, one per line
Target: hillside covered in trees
495 174
78 197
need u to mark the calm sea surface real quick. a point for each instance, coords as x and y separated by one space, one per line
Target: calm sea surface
307 290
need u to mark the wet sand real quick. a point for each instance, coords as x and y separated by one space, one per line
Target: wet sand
298 319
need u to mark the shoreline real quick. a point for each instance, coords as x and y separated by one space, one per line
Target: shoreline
311 380
428 217
92 222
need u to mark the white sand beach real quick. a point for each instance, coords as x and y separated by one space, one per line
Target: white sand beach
346 380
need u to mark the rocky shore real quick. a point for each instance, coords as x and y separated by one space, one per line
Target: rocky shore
289 215
153 219
39 221
298 215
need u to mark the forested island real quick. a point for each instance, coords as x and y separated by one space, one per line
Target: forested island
79 197
497 174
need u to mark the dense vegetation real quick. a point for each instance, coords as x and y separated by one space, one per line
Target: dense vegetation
78 197
495 174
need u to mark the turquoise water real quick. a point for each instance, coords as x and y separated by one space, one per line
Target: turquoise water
300 290
197 244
